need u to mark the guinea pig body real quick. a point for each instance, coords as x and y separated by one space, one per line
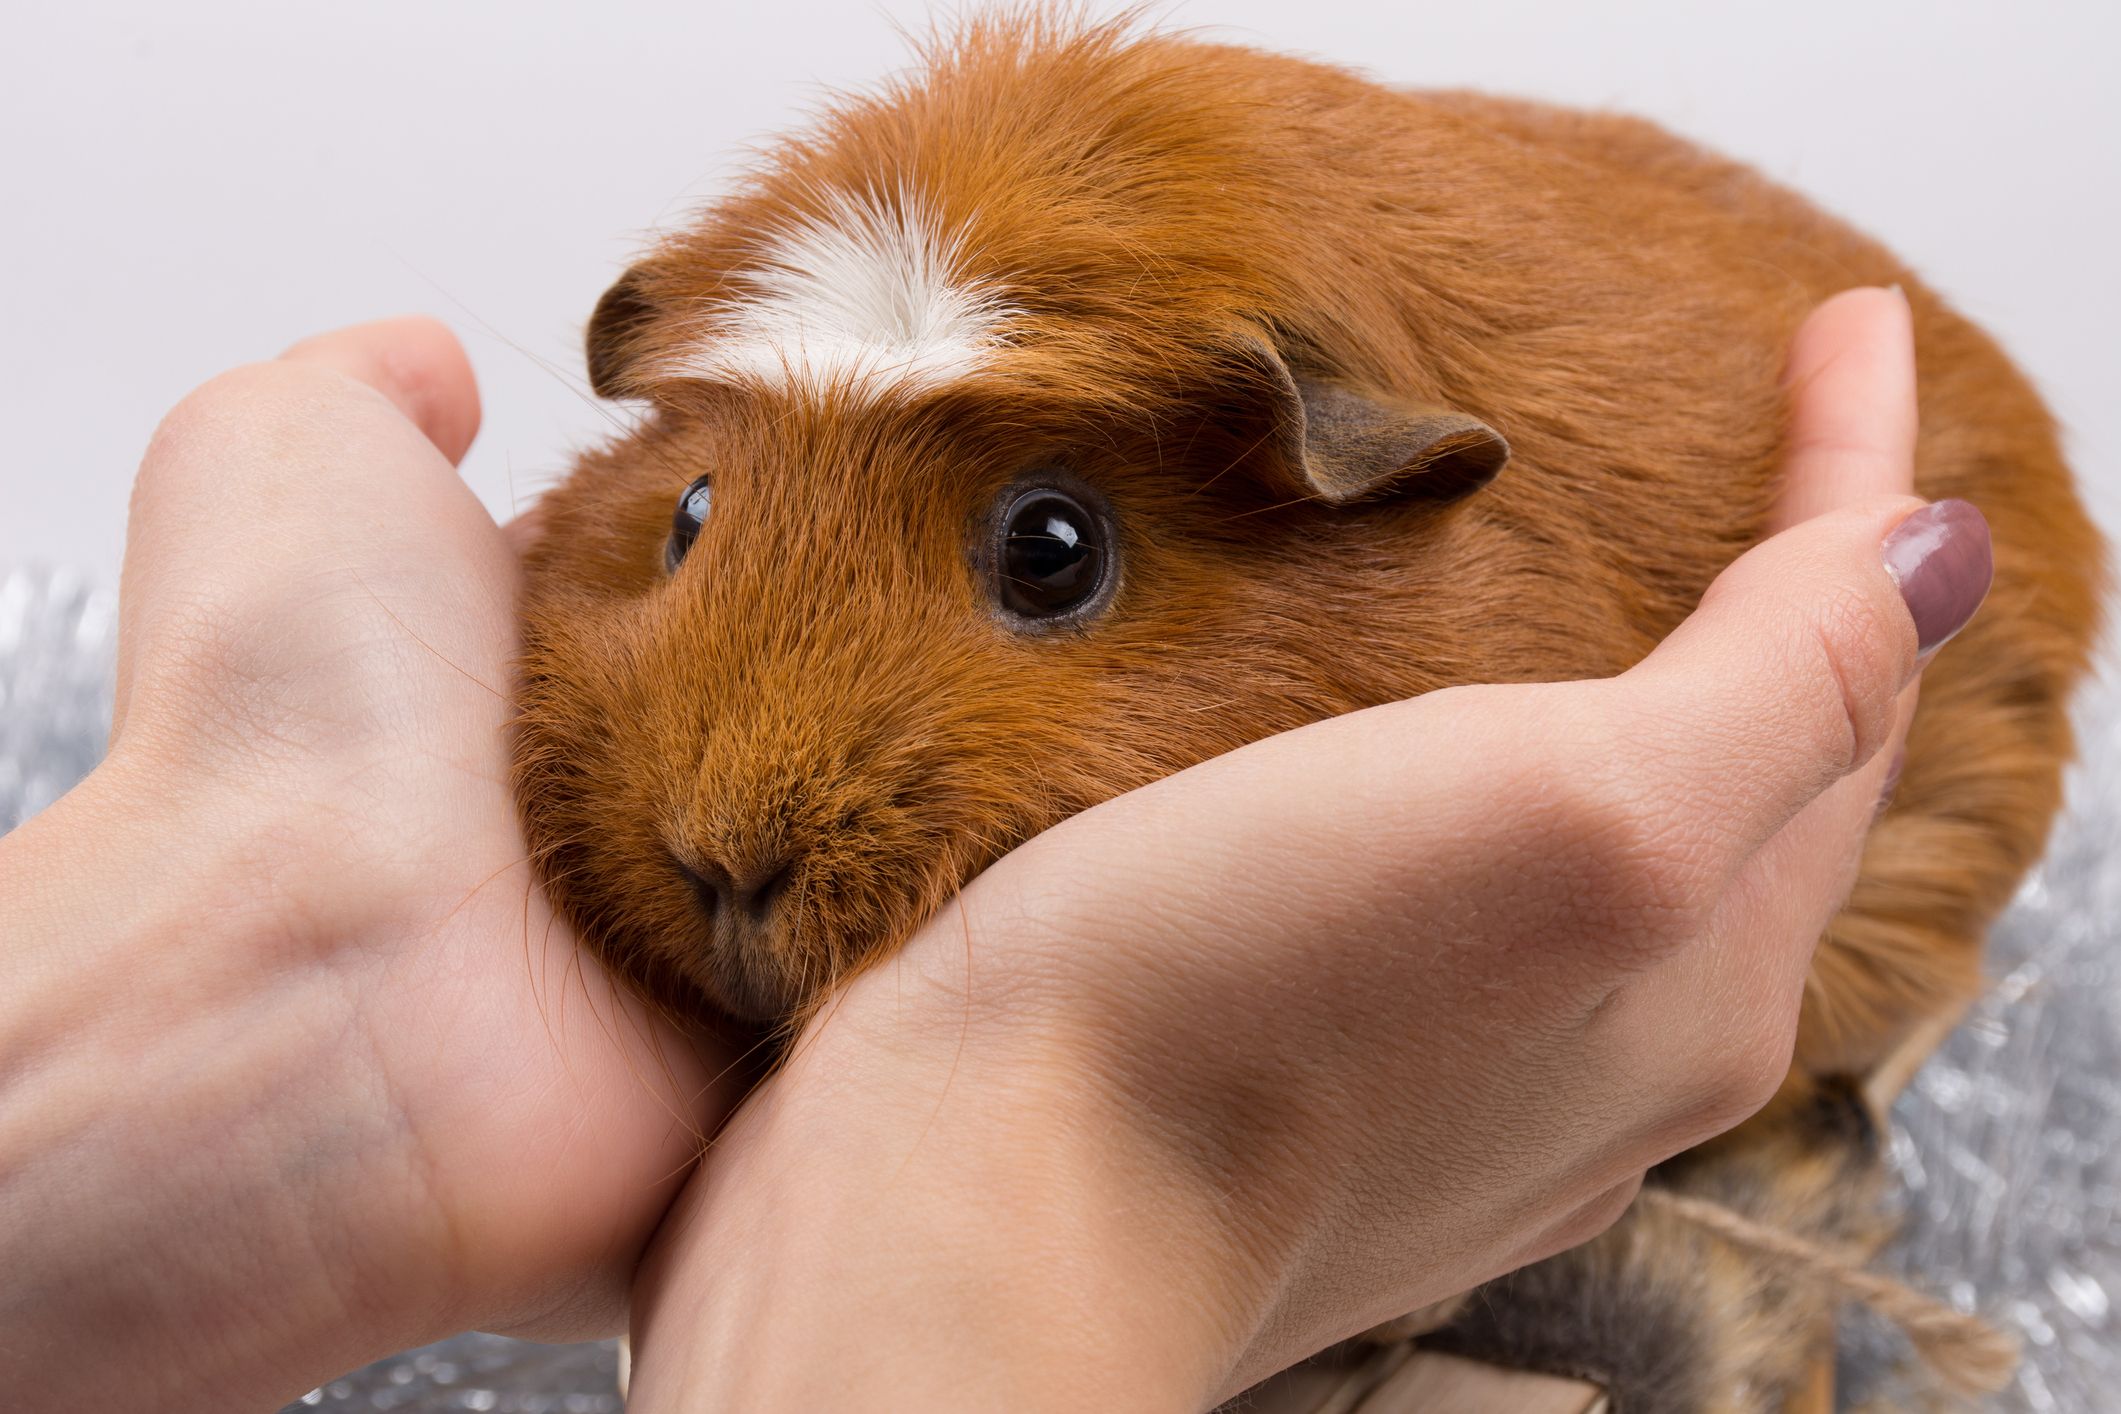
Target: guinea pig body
1091 404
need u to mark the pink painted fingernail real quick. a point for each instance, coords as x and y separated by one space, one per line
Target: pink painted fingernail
1941 559
1892 782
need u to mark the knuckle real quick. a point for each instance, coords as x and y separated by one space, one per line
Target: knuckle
1601 1212
1748 1066
225 405
1587 1221
1630 883
1857 656
189 457
256 412
210 673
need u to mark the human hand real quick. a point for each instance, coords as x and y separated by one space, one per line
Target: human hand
296 1069
1342 1023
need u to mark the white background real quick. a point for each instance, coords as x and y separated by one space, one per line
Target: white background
190 185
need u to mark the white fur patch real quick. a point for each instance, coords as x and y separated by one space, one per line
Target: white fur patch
866 298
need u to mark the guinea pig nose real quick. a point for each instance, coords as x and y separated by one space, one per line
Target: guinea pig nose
758 894
753 894
709 885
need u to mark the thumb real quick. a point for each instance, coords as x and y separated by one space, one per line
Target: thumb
1788 676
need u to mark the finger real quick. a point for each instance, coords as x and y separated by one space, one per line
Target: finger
274 481
1851 374
274 468
298 460
1787 679
416 363
291 453
1851 377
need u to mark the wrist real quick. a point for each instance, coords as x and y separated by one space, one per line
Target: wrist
911 1222
197 1157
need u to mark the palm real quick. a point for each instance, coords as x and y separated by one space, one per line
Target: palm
319 622
557 1114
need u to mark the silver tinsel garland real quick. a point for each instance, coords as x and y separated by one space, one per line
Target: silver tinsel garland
2008 1143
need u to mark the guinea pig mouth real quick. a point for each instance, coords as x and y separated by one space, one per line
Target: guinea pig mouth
752 967
749 993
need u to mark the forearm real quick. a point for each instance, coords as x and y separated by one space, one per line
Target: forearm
167 1221
976 1238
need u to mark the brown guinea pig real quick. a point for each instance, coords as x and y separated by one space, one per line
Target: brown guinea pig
1092 403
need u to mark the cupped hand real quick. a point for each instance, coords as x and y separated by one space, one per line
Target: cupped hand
1342 1023
298 1067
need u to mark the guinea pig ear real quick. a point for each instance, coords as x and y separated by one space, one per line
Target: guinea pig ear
1337 445
615 327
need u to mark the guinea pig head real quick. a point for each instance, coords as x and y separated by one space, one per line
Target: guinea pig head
843 621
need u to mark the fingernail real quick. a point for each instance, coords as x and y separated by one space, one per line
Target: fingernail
1892 781
1942 562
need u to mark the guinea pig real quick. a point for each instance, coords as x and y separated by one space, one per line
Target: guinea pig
1092 402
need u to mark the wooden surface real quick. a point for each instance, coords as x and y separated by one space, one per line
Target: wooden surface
1896 1070
1444 1384
1400 1380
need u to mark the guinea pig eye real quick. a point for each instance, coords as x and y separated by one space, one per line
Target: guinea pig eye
685 524
1053 555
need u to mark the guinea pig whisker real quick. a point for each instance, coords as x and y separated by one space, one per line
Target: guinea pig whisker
440 656
957 1057
1262 510
544 365
1229 466
529 886
668 1093
534 968
741 1059
475 888
621 423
